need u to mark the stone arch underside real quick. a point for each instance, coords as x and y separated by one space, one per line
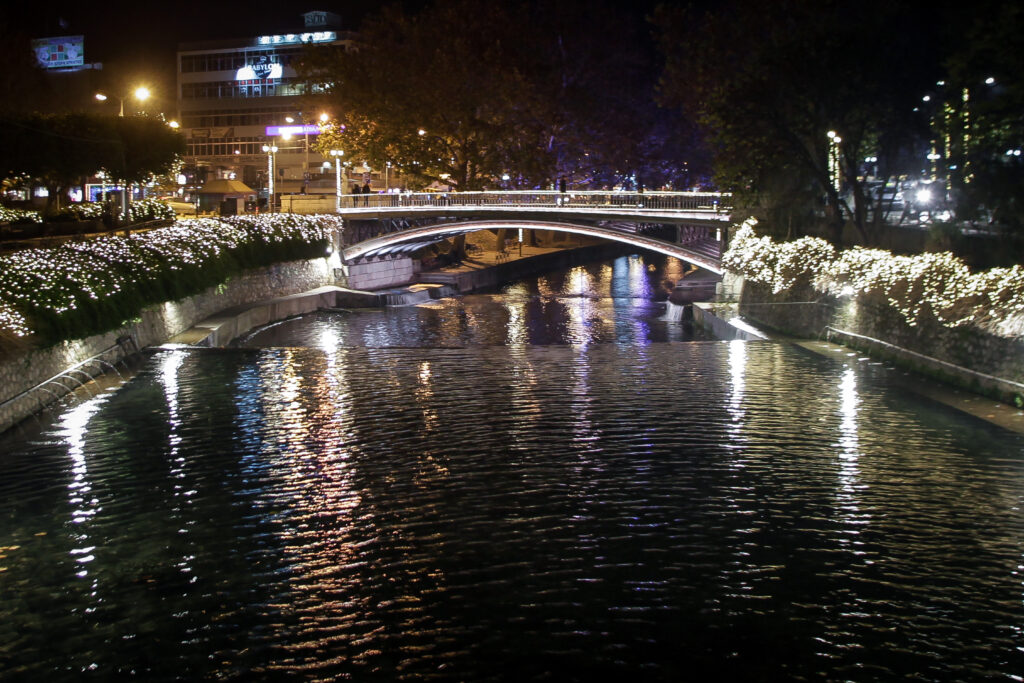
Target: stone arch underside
415 238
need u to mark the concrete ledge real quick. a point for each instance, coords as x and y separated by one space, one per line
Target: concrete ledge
227 325
37 378
1003 389
733 328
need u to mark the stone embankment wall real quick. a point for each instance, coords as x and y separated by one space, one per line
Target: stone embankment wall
964 356
70 361
383 273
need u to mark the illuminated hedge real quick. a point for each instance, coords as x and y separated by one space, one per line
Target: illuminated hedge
19 216
149 209
90 286
922 287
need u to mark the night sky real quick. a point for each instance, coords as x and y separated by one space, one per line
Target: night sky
136 41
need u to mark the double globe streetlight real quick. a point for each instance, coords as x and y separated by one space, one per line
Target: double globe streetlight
271 150
337 154
141 93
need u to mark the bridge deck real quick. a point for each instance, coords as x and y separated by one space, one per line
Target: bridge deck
656 207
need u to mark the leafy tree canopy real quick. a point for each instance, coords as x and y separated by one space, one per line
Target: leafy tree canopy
61 149
768 83
464 93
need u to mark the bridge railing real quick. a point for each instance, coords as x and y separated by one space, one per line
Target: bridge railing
711 202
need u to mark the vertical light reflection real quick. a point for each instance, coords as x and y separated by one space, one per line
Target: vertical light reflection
580 307
328 341
737 413
585 437
515 299
182 495
639 285
737 371
425 397
309 489
847 495
84 503
526 406
169 379
674 271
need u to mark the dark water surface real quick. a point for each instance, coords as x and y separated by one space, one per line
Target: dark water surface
616 508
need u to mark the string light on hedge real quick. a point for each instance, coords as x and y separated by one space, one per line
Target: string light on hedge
54 282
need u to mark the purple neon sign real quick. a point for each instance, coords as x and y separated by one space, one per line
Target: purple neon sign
308 129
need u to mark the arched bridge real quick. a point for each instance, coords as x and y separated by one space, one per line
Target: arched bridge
687 225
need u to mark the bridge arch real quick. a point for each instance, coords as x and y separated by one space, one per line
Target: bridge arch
425 234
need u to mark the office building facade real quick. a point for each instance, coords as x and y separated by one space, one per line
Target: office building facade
237 96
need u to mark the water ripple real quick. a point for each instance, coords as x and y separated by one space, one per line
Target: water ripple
650 513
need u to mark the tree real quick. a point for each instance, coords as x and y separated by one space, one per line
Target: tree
769 86
57 149
146 147
983 125
61 149
464 93
436 93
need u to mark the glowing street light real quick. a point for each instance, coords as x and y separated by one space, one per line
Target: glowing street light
337 154
834 170
141 93
271 150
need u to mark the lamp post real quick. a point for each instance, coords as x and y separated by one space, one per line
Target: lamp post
141 93
271 150
834 171
337 154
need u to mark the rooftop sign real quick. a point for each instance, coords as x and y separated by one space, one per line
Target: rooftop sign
253 72
291 38
308 129
59 53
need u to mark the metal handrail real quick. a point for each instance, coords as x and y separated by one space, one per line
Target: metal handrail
710 202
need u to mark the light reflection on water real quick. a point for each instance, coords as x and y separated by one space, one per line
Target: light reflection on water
622 302
642 511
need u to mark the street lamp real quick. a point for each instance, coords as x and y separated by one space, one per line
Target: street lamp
834 170
337 154
271 150
141 93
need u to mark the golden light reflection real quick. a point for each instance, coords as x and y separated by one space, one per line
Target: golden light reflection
183 494
579 307
306 447
848 493
515 300
639 285
84 504
737 413
425 397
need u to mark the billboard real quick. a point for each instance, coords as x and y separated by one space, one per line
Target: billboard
308 129
259 71
58 53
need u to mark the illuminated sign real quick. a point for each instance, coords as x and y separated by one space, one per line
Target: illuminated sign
290 38
308 129
252 72
57 53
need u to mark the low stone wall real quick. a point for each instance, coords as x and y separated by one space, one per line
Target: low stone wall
383 273
308 203
964 356
58 367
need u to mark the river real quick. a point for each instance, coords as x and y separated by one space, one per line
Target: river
557 481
